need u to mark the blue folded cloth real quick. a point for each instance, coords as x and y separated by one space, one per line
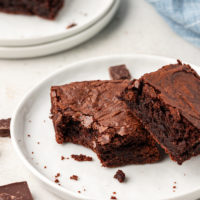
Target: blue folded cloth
183 16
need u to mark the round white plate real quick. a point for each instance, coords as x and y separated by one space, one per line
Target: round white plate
21 30
60 45
150 181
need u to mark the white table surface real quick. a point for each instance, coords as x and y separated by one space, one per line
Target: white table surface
136 28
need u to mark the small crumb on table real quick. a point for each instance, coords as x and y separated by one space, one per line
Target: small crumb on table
113 197
62 157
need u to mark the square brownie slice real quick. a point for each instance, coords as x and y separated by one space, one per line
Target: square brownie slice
168 103
89 113
44 8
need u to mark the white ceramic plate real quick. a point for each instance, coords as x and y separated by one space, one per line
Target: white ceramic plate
60 45
150 181
21 30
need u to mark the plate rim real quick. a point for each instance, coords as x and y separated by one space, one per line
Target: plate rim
55 73
53 37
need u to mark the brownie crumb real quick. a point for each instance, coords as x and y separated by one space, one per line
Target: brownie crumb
45 167
84 189
38 142
174 187
114 193
74 177
62 157
29 121
81 157
79 191
120 176
56 181
29 135
32 152
57 175
71 25
112 197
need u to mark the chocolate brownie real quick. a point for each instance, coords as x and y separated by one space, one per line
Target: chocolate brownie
44 8
89 113
119 72
168 103
5 127
15 191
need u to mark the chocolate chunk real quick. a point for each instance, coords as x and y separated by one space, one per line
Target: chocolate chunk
15 191
119 72
120 176
81 157
5 127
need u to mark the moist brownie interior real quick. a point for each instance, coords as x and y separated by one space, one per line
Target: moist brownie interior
168 103
44 8
90 113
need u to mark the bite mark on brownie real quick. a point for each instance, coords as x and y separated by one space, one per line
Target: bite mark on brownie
120 176
81 157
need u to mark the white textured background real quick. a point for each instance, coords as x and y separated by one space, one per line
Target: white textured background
136 28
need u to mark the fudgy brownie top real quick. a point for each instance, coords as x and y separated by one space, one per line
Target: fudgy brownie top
96 105
178 85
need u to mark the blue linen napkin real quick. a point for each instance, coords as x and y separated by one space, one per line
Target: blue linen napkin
183 16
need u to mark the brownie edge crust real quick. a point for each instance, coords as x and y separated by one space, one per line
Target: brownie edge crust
168 104
90 114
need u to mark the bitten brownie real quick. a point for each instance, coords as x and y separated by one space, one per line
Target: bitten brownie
44 8
168 103
89 113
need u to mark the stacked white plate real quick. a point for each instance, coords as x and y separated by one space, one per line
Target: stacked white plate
31 36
